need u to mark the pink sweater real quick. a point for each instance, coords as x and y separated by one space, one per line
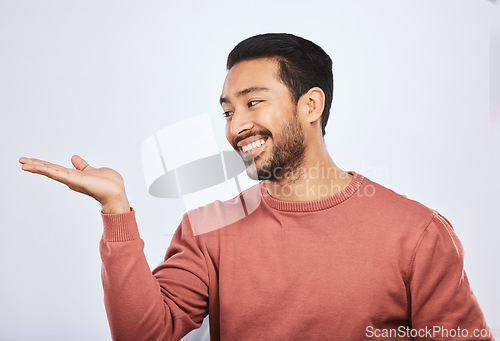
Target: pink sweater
363 263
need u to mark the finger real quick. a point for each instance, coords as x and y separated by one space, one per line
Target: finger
54 172
32 161
80 163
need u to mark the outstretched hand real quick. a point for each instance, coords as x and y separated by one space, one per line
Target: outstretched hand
103 184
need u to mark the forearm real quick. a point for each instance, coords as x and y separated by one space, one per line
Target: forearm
135 305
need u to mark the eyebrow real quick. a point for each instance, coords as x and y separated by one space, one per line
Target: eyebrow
243 92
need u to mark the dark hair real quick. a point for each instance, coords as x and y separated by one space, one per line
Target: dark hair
303 64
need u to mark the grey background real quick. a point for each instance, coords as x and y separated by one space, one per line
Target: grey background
415 109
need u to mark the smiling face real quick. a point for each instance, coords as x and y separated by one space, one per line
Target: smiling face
261 119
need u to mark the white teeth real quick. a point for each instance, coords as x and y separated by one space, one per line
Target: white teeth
253 145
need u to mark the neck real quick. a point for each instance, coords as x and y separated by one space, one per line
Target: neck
316 178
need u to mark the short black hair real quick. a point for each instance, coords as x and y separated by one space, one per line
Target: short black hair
303 64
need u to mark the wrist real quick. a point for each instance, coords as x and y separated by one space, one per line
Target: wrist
115 207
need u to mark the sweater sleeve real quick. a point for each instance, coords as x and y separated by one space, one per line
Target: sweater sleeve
142 305
440 295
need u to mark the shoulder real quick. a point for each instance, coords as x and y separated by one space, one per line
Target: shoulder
390 201
392 211
403 223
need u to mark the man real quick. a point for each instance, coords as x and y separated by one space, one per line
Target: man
324 254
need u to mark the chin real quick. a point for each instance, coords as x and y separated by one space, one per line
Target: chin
252 171
252 174
255 170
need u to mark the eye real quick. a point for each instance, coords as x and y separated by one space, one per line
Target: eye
227 114
252 103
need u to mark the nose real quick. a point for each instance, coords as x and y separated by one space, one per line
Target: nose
240 122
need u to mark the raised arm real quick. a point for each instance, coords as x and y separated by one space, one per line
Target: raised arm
140 305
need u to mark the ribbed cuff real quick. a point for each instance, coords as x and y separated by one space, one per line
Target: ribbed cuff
120 227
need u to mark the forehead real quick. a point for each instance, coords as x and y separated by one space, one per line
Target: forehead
251 73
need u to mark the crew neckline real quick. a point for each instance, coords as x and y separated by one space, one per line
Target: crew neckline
315 205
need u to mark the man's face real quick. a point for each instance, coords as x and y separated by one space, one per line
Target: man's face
262 123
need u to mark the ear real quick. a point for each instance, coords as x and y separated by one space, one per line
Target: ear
312 104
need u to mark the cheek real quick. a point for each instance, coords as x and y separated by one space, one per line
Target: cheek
274 122
228 132
268 118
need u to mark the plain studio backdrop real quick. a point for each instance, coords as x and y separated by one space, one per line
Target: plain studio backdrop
416 108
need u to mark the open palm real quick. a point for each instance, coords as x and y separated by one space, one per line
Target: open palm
103 184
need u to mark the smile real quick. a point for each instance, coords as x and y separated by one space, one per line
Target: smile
252 146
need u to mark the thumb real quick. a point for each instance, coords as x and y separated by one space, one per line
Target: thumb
80 163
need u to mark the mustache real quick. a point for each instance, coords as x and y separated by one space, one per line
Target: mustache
250 133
